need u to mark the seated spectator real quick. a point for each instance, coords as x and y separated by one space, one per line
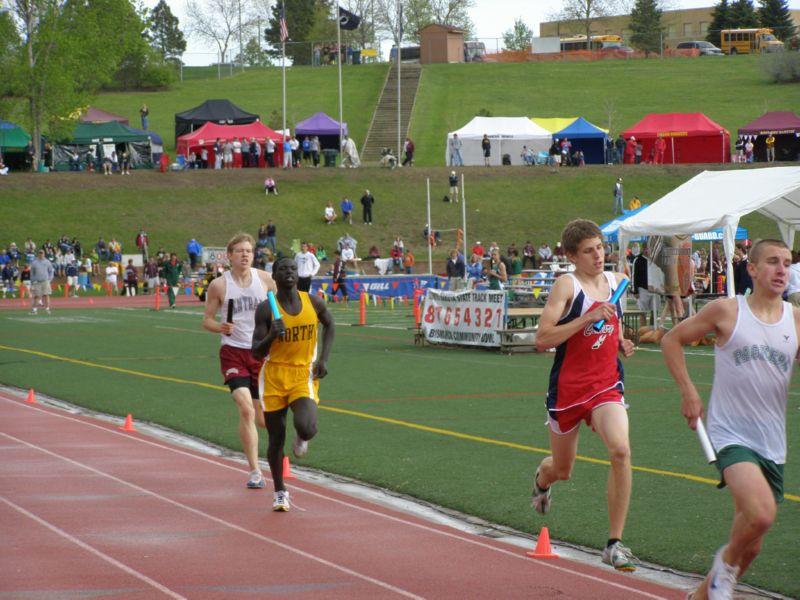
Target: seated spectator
321 254
635 203
330 213
527 156
474 271
74 161
396 254
270 186
348 254
373 252
388 160
3 168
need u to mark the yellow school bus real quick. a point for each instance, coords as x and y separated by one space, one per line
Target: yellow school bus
749 41
596 43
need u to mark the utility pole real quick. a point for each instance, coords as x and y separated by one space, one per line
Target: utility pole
241 48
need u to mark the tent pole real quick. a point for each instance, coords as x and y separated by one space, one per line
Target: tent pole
464 217
431 234
672 140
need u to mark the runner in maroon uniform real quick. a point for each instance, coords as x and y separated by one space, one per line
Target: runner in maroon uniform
586 381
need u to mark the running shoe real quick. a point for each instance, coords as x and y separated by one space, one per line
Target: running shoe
256 481
722 579
619 557
300 447
541 498
280 501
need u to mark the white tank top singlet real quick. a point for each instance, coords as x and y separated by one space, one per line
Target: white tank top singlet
245 301
752 372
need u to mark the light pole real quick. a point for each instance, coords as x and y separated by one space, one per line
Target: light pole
241 48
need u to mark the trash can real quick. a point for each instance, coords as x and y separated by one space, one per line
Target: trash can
330 157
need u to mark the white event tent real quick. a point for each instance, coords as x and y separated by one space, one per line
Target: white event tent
507 135
715 199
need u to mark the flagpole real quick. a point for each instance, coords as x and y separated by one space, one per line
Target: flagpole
399 60
284 34
339 64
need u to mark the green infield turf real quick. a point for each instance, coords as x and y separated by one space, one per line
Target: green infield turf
457 427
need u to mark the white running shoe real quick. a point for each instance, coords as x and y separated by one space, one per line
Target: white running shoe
256 481
619 557
280 501
300 447
722 578
541 498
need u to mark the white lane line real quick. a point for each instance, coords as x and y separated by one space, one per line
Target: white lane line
217 520
370 511
92 550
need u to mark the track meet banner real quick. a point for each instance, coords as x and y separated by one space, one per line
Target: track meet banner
470 318
397 286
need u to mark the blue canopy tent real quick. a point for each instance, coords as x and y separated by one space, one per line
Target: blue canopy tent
586 137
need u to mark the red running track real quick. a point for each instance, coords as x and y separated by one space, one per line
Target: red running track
88 510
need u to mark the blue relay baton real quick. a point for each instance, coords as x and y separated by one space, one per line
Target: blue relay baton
623 285
276 314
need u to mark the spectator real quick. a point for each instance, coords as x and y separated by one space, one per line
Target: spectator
330 213
486 147
339 277
270 186
408 149
346 241
453 180
618 196
635 203
637 153
527 156
367 200
373 252
307 267
125 163
305 146
456 271
41 275
528 255
559 254
455 151
474 271
287 156
195 251
227 154
479 249
545 253
315 151
102 249
408 262
396 254
554 156
171 273
144 113
347 210
112 271
151 276
272 233
270 152
3 167
142 243
131 279
237 153
619 147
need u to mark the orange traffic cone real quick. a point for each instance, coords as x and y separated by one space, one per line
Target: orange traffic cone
287 468
543 549
128 426
31 399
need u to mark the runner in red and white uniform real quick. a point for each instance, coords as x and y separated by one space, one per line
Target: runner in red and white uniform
245 287
586 381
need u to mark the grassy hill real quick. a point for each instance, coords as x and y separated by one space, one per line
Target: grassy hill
308 90
513 204
612 94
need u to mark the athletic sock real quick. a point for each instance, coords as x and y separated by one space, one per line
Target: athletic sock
612 541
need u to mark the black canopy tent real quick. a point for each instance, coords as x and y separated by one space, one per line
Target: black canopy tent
222 112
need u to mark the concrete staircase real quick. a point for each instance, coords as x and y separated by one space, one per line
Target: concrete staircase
383 129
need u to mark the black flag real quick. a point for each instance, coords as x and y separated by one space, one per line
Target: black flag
348 20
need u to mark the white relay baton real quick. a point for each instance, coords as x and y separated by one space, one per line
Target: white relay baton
708 449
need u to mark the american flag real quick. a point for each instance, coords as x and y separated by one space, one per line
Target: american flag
284 29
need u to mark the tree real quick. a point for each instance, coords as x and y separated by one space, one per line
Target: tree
518 38
775 15
720 19
301 16
743 15
254 55
64 57
646 26
164 32
418 14
586 12
218 22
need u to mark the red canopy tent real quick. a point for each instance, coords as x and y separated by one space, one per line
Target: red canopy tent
690 137
785 126
206 135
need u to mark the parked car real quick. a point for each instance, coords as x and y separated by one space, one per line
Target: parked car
705 48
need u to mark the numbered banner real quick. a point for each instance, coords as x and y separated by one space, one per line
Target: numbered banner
470 318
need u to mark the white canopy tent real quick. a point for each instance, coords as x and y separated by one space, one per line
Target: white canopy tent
715 199
507 134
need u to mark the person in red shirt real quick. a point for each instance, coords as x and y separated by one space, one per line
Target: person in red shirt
479 249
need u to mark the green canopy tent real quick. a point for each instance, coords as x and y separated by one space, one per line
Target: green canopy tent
101 139
13 140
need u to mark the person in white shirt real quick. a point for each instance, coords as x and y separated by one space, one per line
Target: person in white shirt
307 267
330 213
111 276
793 289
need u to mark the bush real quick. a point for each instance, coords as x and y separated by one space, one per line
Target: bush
781 67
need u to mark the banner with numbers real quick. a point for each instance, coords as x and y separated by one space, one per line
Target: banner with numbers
469 318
